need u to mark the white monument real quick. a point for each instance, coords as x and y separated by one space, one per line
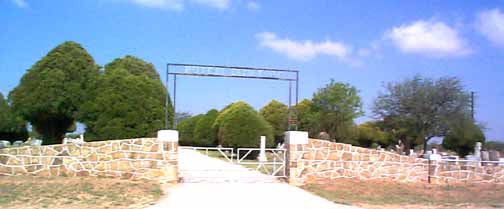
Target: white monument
477 150
262 152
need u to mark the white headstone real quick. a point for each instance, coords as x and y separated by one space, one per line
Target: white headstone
477 150
412 152
262 152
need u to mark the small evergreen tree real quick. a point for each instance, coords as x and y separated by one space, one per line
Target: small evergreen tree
127 103
241 126
51 93
276 114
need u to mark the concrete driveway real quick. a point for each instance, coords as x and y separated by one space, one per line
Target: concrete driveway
213 183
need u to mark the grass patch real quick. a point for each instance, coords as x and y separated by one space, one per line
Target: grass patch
380 194
82 193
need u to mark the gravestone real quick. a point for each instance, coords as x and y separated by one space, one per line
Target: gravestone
262 151
477 151
4 144
494 155
17 143
485 156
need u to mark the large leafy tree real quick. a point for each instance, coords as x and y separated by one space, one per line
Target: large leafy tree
12 127
463 135
421 108
276 113
186 130
334 108
204 133
370 135
51 92
128 103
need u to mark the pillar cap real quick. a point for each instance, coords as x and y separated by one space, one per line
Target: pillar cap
168 136
296 137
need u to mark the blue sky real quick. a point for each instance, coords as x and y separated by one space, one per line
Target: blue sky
364 43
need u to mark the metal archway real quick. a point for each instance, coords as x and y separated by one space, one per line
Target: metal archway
231 72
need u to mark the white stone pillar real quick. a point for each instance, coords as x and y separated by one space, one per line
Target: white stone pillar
168 137
296 142
262 152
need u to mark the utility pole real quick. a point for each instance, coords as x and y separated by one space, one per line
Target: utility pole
472 105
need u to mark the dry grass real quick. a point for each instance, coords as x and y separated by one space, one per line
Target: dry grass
381 195
81 193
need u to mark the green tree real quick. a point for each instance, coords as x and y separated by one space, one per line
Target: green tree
204 132
12 127
335 107
422 106
241 126
276 114
370 135
463 135
127 103
186 129
302 111
495 145
51 93
134 66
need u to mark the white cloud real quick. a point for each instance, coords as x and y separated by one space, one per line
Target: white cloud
430 38
490 23
218 4
20 3
180 4
303 50
253 6
161 4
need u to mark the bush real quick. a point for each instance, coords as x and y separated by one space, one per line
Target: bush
463 135
204 133
12 126
276 114
371 136
241 126
186 130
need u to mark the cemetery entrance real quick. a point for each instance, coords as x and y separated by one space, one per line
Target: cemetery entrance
220 164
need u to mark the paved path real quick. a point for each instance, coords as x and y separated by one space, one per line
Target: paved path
213 183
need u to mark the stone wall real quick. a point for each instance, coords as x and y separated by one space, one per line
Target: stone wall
133 159
322 160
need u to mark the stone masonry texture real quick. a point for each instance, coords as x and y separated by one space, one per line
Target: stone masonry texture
133 159
324 160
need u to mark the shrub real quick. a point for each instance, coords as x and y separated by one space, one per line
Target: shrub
204 133
186 130
12 126
241 126
276 114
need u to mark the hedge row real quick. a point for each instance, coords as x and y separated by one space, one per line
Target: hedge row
237 125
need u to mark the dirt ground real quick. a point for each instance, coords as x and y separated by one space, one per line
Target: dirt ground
389 195
73 193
